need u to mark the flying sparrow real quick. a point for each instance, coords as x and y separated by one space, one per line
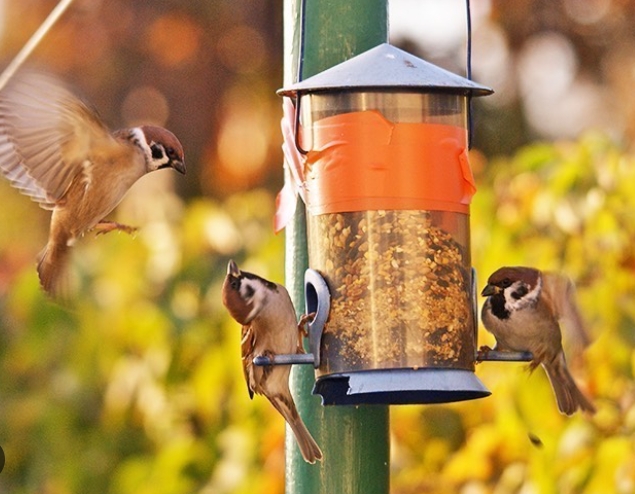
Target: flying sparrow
56 150
269 327
522 311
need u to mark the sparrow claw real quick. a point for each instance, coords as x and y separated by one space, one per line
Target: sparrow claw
304 320
482 353
104 227
269 354
302 330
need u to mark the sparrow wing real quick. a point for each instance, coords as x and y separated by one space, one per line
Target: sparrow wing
247 345
46 134
559 292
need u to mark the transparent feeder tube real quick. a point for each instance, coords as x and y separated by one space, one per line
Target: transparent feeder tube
400 278
400 285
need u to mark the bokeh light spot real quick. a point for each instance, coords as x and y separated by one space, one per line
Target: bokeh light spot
174 39
145 104
242 49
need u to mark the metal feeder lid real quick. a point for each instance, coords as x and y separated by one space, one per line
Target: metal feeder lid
386 67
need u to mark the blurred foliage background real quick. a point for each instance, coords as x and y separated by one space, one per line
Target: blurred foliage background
136 385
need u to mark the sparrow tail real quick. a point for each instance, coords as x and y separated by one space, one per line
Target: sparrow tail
51 265
568 395
311 452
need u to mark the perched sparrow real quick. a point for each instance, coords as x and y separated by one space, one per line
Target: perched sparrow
269 328
522 311
56 150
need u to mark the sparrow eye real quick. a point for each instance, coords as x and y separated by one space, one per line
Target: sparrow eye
235 283
506 283
521 292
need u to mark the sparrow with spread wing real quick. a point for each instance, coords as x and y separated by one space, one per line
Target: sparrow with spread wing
56 150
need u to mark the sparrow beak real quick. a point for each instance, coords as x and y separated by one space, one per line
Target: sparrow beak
232 269
490 290
178 165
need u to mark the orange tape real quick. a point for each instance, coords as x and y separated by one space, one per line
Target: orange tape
360 161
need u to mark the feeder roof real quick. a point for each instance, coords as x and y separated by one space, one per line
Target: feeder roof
386 66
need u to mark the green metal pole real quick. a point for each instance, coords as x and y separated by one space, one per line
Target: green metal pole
354 440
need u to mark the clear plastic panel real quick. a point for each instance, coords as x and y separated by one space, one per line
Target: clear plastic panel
407 107
397 107
401 289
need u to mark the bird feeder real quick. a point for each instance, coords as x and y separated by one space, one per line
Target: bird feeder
388 187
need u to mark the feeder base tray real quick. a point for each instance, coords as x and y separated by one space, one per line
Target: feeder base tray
399 387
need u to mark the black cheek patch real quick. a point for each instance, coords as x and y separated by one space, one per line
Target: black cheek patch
520 292
157 151
498 306
249 291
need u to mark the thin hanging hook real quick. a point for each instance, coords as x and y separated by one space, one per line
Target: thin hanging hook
296 120
468 64
298 77
296 127
468 72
